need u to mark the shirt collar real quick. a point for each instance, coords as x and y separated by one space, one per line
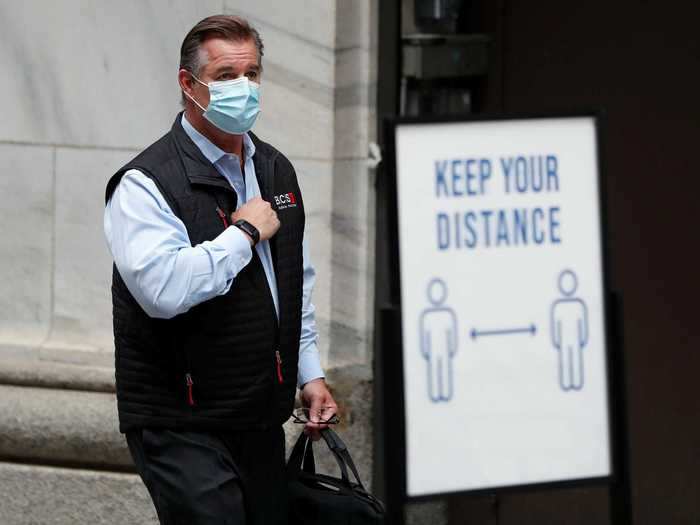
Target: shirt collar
211 151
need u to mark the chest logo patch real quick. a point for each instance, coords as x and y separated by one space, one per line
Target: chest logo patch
285 200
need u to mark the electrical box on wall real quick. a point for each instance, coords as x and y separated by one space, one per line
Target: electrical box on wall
444 56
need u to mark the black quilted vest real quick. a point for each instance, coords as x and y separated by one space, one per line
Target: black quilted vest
227 363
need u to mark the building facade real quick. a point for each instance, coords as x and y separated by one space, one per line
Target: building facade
88 85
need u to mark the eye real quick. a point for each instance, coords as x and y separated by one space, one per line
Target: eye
224 76
252 75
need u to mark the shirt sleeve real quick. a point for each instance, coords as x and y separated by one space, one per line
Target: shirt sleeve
154 256
309 358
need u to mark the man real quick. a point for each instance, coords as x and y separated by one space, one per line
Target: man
213 322
569 332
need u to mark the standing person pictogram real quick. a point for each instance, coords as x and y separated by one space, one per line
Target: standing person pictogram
569 327
438 342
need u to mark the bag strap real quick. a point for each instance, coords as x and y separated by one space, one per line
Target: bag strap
302 456
340 451
302 460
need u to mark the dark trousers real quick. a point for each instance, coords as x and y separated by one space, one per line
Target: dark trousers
213 478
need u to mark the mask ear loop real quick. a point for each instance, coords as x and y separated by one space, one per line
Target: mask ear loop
192 98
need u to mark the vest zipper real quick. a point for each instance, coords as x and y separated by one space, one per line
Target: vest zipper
280 379
189 383
222 216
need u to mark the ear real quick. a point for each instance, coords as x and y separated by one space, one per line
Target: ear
185 80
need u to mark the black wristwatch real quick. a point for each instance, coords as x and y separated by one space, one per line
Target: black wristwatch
248 228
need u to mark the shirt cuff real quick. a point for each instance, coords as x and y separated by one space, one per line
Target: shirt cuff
309 366
237 245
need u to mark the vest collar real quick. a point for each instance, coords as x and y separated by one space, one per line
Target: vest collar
200 170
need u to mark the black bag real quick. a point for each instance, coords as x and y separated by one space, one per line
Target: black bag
320 499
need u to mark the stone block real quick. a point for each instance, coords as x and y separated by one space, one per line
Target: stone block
316 183
86 356
33 495
306 61
26 253
294 123
352 137
316 91
30 371
61 427
352 262
298 74
353 201
69 427
313 22
83 266
354 23
355 77
93 73
352 66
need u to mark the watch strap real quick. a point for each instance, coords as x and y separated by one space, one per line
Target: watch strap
248 228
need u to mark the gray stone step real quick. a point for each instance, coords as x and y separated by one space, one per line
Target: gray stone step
45 430
51 374
41 425
32 495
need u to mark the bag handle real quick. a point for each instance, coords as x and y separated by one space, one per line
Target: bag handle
340 451
302 457
343 454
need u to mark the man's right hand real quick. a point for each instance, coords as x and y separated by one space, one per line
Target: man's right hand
260 214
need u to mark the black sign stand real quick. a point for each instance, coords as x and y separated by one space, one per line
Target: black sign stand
620 487
394 447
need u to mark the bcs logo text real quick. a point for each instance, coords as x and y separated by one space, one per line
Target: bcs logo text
286 200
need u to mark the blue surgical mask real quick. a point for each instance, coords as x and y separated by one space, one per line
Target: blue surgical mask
233 104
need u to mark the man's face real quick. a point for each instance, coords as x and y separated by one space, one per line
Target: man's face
227 60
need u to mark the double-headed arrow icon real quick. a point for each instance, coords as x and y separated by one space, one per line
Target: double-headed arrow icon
532 329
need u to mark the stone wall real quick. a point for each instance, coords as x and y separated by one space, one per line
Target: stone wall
87 85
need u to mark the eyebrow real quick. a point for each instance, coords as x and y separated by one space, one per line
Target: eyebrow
226 69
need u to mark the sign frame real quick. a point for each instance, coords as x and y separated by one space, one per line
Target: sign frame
391 326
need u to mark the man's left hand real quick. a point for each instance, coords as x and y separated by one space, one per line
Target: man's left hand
317 398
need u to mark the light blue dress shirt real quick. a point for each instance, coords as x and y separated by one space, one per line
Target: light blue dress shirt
168 276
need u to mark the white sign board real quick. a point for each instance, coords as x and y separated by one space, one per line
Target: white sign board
502 301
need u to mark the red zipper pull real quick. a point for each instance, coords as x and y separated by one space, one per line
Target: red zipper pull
189 382
222 216
279 367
